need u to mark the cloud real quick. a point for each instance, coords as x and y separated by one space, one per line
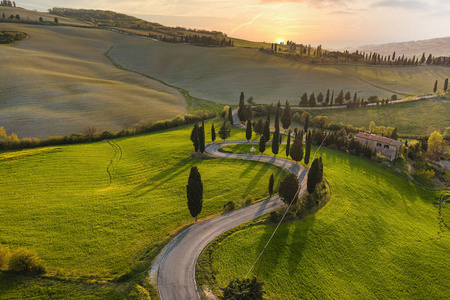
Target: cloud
341 12
410 4
247 23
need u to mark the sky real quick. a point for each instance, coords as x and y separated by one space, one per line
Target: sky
334 24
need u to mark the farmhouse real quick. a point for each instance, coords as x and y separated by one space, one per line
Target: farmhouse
385 146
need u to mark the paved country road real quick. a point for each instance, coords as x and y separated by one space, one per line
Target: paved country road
174 268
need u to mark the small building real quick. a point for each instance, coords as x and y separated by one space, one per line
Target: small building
383 145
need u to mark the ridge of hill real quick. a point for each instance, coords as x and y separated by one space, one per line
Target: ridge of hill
436 46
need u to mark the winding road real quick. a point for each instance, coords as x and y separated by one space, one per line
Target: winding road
174 268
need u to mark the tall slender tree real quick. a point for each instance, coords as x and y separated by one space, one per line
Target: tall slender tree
230 115
286 118
248 132
241 109
304 100
213 133
271 184
307 148
435 87
266 131
195 137
194 191
262 144
445 84
305 127
314 175
312 100
288 143
327 99
201 138
275 141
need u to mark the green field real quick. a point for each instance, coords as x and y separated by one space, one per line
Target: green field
377 238
59 81
59 202
410 118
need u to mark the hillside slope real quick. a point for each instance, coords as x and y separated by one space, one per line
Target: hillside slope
59 82
220 74
436 46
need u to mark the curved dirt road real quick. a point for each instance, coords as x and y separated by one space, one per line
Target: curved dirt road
174 268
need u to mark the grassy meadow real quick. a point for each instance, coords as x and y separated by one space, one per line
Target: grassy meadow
410 118
60 82
377 238
220 74
59 202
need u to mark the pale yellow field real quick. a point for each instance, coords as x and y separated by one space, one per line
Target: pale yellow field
220 74
59 81
30 15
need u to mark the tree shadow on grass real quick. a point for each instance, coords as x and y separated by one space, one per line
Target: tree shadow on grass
257 178
162 177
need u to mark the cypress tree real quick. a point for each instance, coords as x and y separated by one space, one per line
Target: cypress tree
271 183
288 188
445 84
435 87
313 176
230 115
288 144
262 144
266 131
286 116
305 127
213 133
296 150
195 136
312 100
241 108
429 60
327 99
277 115
194 191
248 132
268 113
201 137
275 141
248 112
224 131
332 98
308 148
304 100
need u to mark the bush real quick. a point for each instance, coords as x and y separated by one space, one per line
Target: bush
4 257
248 200
229 206
25 260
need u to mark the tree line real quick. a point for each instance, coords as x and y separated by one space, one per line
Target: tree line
197 40
7 37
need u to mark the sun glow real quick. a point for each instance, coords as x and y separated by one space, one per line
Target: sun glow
280 41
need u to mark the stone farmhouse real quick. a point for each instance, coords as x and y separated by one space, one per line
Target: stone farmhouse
385 146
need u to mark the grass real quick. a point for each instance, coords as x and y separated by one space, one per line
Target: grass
410 118
378 237
60 82
58 201
220 74
33 16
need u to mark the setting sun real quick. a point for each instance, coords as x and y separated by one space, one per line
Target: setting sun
280 41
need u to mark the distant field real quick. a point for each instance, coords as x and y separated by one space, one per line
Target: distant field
377 238
220 74
59 81
410 118
30 15
58 200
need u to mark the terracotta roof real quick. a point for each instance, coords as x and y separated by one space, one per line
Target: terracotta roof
378 138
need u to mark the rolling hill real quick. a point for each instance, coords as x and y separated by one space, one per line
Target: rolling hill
59 81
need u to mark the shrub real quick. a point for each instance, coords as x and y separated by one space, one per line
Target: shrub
4 257
229 206
107 135
25 260
248 200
